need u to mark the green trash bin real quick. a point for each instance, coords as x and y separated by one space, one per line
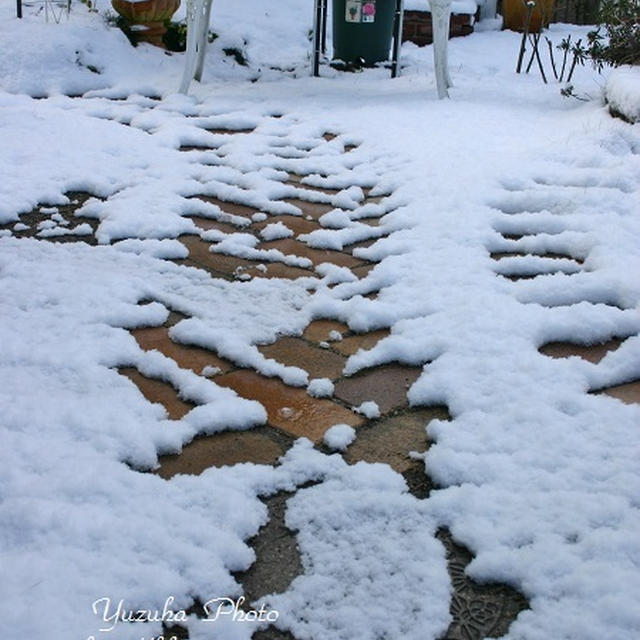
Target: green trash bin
362 30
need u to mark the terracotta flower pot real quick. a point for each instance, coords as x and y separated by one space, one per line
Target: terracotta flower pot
147 18
514 13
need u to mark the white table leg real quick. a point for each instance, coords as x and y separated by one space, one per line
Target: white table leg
440 18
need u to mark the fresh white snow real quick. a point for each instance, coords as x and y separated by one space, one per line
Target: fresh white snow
536 477
339 436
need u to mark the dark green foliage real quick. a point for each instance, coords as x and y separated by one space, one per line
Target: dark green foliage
237 55
175 39
616 41
115 20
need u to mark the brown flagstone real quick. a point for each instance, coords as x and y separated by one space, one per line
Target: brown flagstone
235 208
187 357
629 392
391 439
297 224
158 391
593 353
288 408
319 330
221 449
208 223
317 256
387 386
366 341
294 352
313 209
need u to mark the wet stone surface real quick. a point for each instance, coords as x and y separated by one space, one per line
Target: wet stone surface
317 256
298 224
317 362
479 611
390 440
320 330
61 217
629 393
258 446
230 267
206 224
365 341
229 207
593 353
288 408
386 385
278 557
314 209
158 391
186 357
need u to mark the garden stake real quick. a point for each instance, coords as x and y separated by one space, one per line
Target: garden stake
564 58
523 45
535 39
576 48
553 60
19 8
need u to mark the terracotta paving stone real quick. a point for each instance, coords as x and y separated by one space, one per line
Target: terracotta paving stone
220 449
174 318
319 330
297 224
363 270
229 207
317 256
361 244
208 223
289 408
160 392
329 136
187 357
629 393
391 439
366 341
386 385
294 352
230 266
593 353
372 222
279 270
310 187
313 209
199 254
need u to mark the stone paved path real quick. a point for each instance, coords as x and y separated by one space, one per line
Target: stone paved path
321 350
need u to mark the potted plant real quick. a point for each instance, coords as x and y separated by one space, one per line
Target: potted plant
146 18
514 13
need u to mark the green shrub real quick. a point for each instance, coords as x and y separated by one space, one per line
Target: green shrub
620 42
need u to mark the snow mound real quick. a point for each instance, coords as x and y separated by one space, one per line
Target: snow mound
339 436
622 92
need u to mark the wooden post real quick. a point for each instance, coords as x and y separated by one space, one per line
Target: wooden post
19 8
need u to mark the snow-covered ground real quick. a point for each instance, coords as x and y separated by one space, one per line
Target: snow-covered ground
538 479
